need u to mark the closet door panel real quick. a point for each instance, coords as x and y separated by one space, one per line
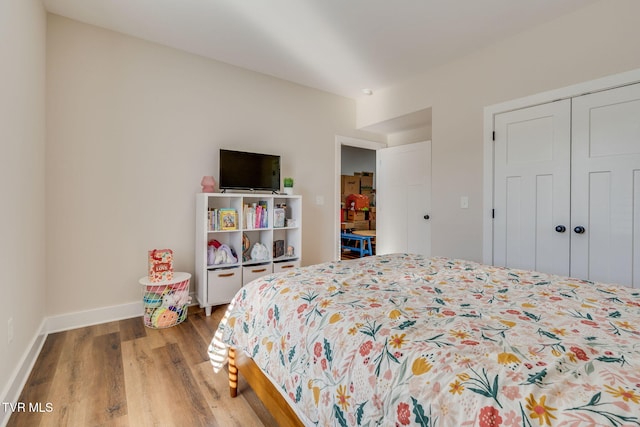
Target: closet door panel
518 229
604 178
599 237
531 188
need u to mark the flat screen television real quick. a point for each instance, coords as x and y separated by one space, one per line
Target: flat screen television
241 170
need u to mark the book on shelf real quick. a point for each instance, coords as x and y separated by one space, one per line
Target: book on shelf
222 219
228 219
255 215
248 215
278 248
278 217
213 219
262 221
258 220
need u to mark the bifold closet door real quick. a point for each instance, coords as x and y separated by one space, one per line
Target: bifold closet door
606 186
531 188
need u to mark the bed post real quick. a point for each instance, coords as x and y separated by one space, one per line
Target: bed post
233 373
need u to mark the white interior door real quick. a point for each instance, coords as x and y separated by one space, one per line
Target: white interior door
531 188
606 186
403 195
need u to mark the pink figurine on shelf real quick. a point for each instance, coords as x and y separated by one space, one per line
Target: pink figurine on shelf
208 184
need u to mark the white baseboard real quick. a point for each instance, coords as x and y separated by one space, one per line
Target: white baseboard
80 319
11 392
59 323
96 316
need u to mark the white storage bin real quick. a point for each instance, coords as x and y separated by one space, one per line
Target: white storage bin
285 265
252 272
223 284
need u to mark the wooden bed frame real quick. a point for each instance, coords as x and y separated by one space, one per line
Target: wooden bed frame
264 389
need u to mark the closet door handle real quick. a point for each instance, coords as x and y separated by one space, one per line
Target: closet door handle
426 216
561 228
579 229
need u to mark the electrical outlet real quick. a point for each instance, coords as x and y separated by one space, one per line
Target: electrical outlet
10 330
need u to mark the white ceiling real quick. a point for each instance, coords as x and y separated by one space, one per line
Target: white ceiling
340 46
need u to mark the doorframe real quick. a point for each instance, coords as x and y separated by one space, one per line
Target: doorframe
341 140
597 85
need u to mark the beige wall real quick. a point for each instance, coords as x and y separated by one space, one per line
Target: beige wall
22 189
599 40
132 128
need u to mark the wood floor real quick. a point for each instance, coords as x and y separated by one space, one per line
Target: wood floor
124 374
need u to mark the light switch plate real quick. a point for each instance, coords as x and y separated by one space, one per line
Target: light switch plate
464 202
10 330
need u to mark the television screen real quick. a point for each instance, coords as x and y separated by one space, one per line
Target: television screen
240 170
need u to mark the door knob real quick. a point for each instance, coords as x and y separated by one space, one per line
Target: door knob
561 228
579 229
426 217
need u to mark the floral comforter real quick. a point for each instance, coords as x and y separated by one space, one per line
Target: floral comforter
404 340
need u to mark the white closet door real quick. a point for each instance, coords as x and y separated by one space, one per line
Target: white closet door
532 195
606 186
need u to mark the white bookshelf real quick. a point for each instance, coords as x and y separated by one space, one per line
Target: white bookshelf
217 283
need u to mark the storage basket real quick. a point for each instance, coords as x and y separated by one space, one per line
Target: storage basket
165 303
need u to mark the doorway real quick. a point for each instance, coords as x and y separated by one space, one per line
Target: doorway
358 172
359 156
406 176
408 128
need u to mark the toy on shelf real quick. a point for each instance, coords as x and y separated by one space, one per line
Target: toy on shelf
208 184
357 202
219 253
259 252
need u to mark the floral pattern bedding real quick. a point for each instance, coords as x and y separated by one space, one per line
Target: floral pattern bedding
404 340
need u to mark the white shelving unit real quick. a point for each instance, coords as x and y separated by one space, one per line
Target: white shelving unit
217 283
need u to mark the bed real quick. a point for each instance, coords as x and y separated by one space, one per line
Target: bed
405 340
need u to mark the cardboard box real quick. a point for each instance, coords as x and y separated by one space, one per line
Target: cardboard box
350 184
366 179
356 216
346 225
361 225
